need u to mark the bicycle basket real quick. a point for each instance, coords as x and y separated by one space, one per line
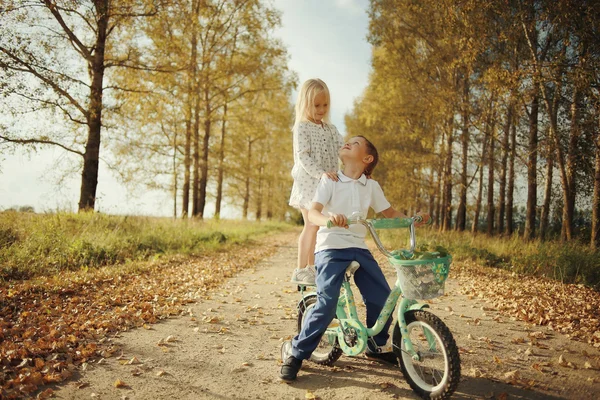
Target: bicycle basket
422 279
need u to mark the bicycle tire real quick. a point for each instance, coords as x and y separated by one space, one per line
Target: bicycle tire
326 353
423 379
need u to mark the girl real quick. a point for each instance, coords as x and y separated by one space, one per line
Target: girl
316 146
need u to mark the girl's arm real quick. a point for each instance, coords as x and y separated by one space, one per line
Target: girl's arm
302 148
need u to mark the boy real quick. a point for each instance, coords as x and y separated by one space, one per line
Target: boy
338 246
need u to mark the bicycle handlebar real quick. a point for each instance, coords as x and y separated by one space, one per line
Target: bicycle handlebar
389 223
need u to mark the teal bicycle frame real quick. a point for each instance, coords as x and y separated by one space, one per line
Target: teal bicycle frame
349 322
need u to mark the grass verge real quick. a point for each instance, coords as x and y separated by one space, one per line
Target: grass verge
47 244
570 262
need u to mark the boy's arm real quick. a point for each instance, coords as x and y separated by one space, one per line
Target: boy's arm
315 215
392 213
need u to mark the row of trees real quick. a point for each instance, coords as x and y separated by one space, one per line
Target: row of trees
186 96
472 101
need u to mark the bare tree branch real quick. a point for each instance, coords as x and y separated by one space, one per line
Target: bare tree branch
85 52
52 104
41 141
29 69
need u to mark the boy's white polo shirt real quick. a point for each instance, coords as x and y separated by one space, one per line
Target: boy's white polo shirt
347 196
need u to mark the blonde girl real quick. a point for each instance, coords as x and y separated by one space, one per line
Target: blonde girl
316 145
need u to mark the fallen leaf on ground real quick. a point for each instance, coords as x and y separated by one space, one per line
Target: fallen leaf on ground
120 384
310 395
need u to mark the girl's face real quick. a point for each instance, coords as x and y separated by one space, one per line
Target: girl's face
319 108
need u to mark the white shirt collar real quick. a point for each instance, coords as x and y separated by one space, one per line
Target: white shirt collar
344 178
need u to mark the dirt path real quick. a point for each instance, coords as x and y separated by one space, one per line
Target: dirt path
226 346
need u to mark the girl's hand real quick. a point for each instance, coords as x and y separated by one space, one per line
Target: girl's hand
331 175
338 220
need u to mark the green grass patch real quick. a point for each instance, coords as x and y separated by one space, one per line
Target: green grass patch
571 262
46 244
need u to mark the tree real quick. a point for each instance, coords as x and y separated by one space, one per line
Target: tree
59 68
219 52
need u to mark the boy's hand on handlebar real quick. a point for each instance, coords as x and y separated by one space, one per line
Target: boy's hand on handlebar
423 219
337 220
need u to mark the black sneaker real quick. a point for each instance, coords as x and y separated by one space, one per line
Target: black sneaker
388 357
290 368
291 365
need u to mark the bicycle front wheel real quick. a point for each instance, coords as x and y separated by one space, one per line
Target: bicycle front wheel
435 372
328 351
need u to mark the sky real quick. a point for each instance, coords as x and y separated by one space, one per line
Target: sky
325 39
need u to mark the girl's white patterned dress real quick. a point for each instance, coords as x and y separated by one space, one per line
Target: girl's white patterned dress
316 150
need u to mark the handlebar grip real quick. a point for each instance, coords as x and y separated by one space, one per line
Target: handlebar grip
350 220
424 218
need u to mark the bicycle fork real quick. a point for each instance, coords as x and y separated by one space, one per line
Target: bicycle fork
405 306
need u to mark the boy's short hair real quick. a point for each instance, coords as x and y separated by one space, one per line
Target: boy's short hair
372 151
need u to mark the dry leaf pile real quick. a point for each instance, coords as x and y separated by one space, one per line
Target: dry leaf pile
51 326
573 310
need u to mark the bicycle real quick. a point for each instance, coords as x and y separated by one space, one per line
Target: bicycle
424 345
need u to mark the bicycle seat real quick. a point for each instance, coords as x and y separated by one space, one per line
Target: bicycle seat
354 265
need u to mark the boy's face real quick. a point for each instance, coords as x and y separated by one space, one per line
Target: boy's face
355 149
319 108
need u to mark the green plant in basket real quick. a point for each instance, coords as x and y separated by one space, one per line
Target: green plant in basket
423 252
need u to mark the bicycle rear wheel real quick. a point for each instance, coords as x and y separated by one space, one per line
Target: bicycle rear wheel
328 351
436 374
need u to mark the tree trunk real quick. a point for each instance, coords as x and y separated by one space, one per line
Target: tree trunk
560 157
204 162
432 190
532 169
221 164
91 157
259 193
439 199
246 202
478 200
175 174
544 219
221 159
438 206
461 212
491 162
572 154
187 161
270 199
447 203
503 168
192 94
510 190
595 237
196 158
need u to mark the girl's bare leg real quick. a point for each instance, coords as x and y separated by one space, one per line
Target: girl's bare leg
307 241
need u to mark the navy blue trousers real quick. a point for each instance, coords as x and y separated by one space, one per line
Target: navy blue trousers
331 267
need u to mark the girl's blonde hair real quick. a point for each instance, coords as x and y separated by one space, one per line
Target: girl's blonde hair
306 100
